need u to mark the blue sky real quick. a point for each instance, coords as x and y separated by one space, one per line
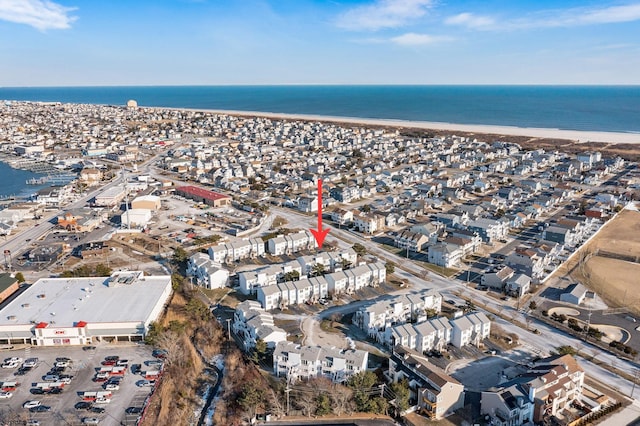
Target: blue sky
184 42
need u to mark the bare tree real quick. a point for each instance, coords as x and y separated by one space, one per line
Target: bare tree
341 397
173 343
306 400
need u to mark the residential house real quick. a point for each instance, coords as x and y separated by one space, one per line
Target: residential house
445 255
575 293
489 229
435 393
518 285
411 241
527 260
497 278
342 216
470 329
308 204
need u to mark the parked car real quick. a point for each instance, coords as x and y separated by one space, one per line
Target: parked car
5 395
37 391
55 391
10 364
88 348
159 353
61 364
32 422
90 421
30 363
144 383
30 404
83 405
133 410
136 368
97 410
40 409
111 386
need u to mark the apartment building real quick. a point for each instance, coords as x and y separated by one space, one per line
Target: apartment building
470 329
207 273
297 362
252 323
376 318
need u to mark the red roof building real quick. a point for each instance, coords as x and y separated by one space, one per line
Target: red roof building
202 195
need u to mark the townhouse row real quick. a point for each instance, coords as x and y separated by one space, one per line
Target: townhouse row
312 289
435 334
374 319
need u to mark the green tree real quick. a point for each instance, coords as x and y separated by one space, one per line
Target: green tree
155 330
390 267
566 350
379 405
361 384
259 352
366 208
359 249
317 270
291 276
180 256
198 310
401 390
323 404
251 399
102 270
533 305
176 281
20 277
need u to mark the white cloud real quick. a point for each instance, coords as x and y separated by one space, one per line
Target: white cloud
40 14
470 20
414 39
551 18
383 14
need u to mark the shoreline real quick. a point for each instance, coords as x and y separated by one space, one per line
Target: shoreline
580 136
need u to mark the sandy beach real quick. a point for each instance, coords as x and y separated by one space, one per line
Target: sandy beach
573 135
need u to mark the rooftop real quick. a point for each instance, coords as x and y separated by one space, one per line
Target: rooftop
123 297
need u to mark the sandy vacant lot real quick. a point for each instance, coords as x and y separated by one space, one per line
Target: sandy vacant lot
621 236
616 281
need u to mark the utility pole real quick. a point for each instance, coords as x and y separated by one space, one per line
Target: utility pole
382 390
229 327
288 389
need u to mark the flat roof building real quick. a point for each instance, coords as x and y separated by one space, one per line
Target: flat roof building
202 195
79 311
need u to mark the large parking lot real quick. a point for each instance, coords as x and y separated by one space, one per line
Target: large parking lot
84 364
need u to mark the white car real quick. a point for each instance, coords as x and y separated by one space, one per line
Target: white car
30 362
111 386
10 364
31 404
5 395
102 400
62 364
144 383
13 359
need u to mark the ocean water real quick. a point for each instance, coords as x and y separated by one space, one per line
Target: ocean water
591 108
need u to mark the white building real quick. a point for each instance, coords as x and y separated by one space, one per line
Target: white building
470 329
376 318
135 218
303 362
251 322
80 311
207 273
445 255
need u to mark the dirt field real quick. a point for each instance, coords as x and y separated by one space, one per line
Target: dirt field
614 280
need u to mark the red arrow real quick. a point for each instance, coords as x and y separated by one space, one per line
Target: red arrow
320 234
